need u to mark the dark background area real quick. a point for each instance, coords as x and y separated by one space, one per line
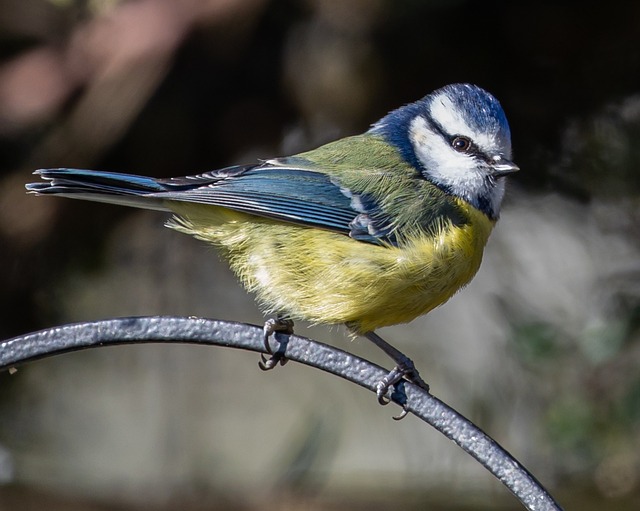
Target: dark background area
236 83
166 88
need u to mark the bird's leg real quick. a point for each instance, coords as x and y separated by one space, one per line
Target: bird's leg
271 327
404 368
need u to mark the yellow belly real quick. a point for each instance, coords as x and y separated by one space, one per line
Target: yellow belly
326 277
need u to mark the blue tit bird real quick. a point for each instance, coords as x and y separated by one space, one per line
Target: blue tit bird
368 231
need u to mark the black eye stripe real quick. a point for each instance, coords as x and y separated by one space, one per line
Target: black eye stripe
437 127
473 150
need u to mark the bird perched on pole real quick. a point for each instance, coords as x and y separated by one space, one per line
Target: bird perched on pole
370 230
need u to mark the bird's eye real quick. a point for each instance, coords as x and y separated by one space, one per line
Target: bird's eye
461 144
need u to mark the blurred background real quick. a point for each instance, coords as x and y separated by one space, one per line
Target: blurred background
542 350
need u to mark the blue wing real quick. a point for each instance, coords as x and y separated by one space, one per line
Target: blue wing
297 195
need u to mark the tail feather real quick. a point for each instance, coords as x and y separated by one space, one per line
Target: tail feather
98 186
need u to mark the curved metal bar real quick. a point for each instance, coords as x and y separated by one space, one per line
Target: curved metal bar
159 329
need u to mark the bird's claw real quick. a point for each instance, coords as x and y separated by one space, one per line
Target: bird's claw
396 378
383 386
273 326
266 364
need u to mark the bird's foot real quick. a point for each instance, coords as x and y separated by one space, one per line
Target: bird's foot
405 370
271 327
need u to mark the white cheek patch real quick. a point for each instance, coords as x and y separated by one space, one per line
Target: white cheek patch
446 114
445 166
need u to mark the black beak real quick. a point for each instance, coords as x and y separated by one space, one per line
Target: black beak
501 167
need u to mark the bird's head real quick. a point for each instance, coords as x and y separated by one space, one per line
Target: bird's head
458 137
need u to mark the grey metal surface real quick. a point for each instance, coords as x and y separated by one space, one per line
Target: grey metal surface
161 329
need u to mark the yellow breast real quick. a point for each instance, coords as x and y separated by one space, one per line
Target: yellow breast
326 277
